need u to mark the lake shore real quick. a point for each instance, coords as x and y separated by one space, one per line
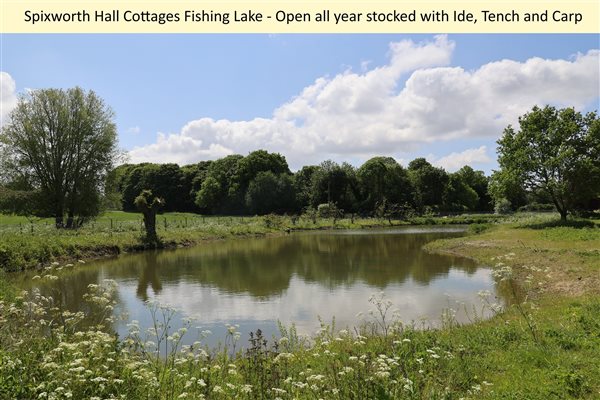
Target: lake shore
29 246
546 346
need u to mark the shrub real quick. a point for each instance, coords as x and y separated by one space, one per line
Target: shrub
503 206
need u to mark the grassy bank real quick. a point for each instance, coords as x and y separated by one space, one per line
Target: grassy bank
545 347
28 244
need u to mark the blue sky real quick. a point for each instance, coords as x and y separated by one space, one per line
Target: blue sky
311 97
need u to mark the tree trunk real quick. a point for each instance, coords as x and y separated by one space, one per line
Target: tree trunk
150 225
562 210
563 215
70 220
58 218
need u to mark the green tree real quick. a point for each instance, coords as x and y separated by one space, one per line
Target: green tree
334 183
555 151
66 142
193 176
28 203
429 182
271 193
459 196
148 205
166 181
247 169
505 185
303 185
209 194
213 194
477 181
383 180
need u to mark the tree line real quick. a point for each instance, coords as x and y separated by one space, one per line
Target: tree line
58 153
262 183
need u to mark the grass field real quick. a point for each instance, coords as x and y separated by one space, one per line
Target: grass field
545 346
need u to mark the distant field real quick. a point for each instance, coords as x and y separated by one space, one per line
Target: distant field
116 216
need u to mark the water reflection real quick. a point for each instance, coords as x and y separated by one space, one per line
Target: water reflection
264 267
255 282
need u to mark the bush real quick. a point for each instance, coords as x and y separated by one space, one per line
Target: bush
478 228
503 206
536 207
328 210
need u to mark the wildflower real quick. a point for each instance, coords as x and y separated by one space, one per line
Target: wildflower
283 356
382 374
246 388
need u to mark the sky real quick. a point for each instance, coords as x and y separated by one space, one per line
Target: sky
188 98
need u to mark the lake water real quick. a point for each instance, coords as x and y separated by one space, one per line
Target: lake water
255 282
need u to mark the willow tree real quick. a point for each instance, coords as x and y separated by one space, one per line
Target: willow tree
65 141
148 204
556 152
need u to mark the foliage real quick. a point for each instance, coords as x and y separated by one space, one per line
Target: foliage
247 169
64 142
459 196
556 151
28 203
429 182
269 192
167 181
148 205
329 210
335 183
504 185
477 181
254 184
213 193
502 206
381 180
534 206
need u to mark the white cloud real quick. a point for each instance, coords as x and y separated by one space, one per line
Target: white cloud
455 161
8 96
360 114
